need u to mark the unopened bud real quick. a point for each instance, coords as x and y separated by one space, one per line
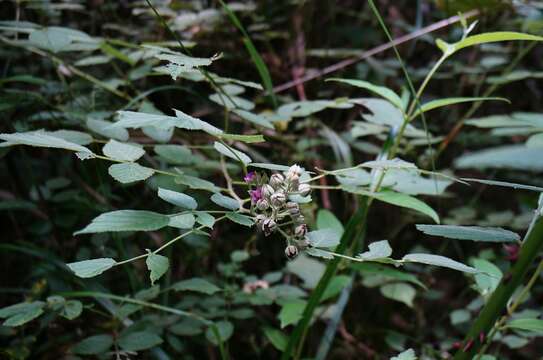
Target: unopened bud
293 181
277 180
278 199
300 219
294 170
260 219
268 226
293 208
267 191
262 204
291 252
300 230
304 189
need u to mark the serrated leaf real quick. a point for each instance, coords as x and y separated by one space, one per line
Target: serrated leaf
122 151
196 284
93 345
126 220
382 91
41 139
401 292
183 221
240 219
157 265
232 153
177 198
139 340
324 238
91 268
105 129
175 154
438 260
127 173
475 233
205 219
225 201
377 250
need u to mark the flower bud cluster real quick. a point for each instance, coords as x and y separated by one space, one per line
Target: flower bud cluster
272 207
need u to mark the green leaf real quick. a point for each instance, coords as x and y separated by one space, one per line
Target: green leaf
140 340
403 200
91 268
382 91
105 129
434 104
291 312
175 154
243 138
177 198
369 268
505 184
491 37
535 325
535 141
327 220
254 118
182 221
516 157
196 284
460 316
20 314
408 354
307 269
93 345
157 265
56 38
377 250
232 153
196 183
205 219
240 219
122 151
401 292
336 285
276 337
225 201
41 139
114 52
225 330
438 260
489 276
232 102
72 309
324 238
126 220
127 173
475 233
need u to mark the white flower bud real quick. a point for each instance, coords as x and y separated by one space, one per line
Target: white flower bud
300 230
268 226
304 189
294 170
278 199
300 219
262 204
259 219
293 208
267 191
277 180
293 181
291 252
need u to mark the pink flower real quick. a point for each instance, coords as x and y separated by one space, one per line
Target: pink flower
255 195
250 177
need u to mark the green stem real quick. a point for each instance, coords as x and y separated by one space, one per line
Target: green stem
531 246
